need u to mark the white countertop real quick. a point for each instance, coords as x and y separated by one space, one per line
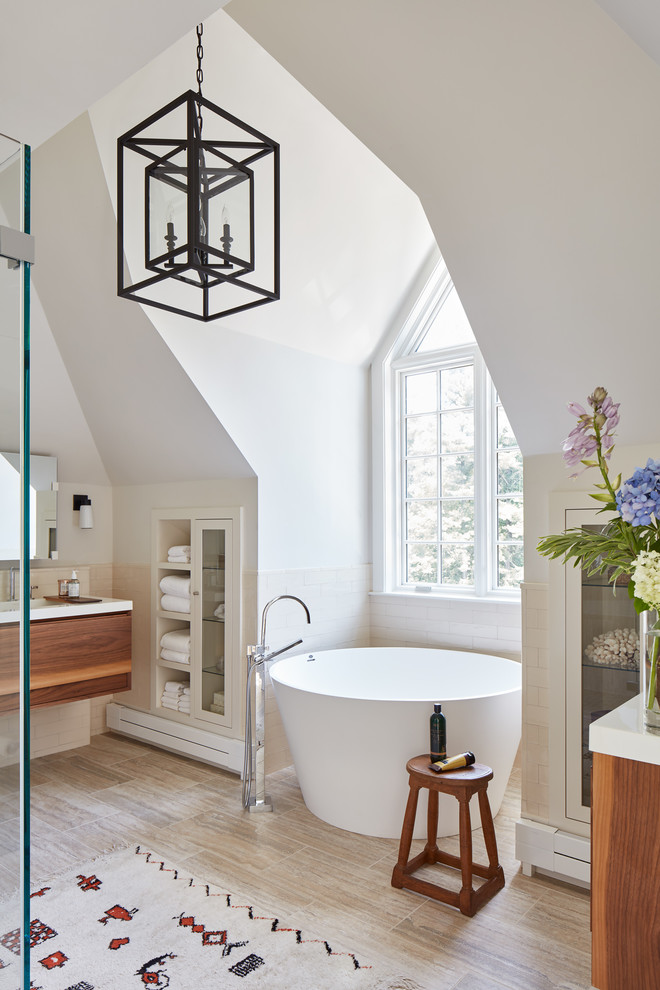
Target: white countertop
621 733
42 609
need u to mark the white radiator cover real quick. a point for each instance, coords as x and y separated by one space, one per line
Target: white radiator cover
187 740
553 851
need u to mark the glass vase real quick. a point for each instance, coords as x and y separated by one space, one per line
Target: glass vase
649 651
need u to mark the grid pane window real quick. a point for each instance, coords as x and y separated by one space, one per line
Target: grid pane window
438 497
460 498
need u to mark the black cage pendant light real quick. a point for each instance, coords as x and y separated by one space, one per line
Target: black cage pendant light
198 210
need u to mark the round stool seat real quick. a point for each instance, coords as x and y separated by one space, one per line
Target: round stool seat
463 784
421 765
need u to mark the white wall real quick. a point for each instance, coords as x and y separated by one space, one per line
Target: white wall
302 422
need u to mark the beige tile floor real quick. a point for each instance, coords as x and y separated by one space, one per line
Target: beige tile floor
534 934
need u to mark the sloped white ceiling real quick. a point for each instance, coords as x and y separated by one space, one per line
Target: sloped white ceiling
529 131
640 19
57 58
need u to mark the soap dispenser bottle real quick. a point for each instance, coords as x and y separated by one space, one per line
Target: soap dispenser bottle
438 747
74 586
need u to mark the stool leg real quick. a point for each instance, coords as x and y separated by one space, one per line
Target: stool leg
431 847
406 835
489 835
466 892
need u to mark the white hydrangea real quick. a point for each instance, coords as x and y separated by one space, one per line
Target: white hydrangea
646 575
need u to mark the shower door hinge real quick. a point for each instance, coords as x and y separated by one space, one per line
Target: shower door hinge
16 246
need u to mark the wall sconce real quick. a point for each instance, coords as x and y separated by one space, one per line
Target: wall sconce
83 504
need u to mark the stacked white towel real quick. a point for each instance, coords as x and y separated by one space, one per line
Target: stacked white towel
175 645
218 705
176 696
179 555
176 593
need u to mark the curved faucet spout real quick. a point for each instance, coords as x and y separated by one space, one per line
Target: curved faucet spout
272 602
253 762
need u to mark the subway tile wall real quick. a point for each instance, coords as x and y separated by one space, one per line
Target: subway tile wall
338 601
399 620
536 707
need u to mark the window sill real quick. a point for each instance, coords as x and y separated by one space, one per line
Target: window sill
440 596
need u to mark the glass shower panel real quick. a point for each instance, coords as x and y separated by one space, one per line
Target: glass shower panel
14 831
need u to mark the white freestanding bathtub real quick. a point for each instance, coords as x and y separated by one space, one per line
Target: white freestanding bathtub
354 717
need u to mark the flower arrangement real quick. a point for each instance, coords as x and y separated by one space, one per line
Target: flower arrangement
629 543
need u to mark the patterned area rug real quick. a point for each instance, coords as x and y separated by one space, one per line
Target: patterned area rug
132 919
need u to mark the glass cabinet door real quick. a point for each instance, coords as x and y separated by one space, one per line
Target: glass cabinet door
602 667
213 538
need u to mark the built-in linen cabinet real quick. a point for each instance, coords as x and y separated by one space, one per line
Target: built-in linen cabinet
196 617
593 668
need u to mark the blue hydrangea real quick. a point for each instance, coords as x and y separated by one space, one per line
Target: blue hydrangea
638 499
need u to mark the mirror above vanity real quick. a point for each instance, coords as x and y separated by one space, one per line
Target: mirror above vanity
43 507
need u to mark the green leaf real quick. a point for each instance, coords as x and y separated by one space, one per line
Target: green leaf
590 463
599 497
640 606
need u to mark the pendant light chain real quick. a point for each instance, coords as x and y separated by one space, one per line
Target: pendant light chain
200 73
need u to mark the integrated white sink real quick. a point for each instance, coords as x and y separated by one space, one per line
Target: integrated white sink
34 603
41 608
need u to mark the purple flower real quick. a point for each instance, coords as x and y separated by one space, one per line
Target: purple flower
593 434
638 499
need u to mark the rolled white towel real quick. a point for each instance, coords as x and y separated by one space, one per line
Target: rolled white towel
180 550
177 686
177 639
175 656
183 707
175 584
166 703
173 603
186 690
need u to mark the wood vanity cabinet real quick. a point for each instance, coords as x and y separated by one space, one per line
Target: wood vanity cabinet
625 872
70 659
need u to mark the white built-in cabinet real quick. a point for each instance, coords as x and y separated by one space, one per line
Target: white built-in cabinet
211 616
585 620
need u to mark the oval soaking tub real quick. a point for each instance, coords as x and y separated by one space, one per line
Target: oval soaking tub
354 717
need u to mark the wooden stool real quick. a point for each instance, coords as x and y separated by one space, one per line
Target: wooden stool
462 784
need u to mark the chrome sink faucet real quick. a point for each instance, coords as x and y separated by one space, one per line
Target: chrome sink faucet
13 570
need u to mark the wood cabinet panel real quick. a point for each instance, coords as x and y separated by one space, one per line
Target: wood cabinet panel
70 659
625 890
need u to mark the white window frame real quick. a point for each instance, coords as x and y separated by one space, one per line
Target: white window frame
395 358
